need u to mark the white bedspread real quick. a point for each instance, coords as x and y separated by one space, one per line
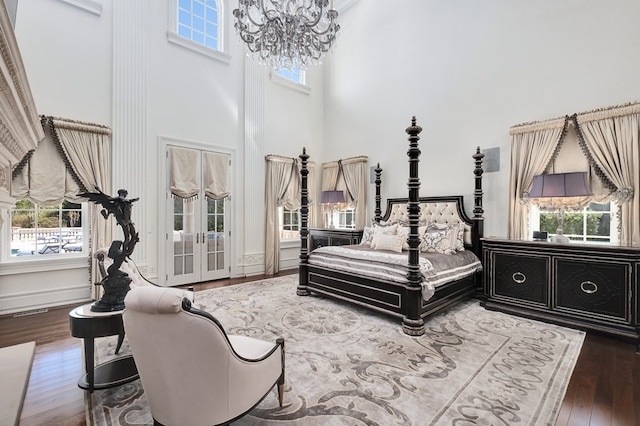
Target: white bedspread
435 269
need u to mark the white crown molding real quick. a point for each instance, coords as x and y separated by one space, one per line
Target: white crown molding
93 6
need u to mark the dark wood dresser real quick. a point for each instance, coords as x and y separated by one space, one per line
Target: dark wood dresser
590 287
322 237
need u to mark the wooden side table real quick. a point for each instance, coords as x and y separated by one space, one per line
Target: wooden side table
88 325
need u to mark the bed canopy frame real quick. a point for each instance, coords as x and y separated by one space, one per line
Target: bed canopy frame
366 291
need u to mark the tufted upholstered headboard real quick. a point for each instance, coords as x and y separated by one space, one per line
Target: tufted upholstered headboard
447 210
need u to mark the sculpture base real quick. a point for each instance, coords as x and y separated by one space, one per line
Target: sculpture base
115 288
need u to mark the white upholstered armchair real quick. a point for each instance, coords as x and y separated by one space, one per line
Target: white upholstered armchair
192 372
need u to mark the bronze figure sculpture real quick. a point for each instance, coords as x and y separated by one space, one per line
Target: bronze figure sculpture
115 282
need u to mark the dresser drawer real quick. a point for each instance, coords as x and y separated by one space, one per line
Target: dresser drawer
521 277
599 288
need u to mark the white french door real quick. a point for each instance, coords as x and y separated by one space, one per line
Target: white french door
198 235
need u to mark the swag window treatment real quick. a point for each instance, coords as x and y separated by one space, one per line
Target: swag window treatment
609 138
186 184
350 176
77 154
283 189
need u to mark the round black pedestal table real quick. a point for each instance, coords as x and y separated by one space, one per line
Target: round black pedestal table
88 325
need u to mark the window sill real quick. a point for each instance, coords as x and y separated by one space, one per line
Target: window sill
195 47
93 6
56 263
302 88
293 243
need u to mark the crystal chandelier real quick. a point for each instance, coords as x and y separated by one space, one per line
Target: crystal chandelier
287 33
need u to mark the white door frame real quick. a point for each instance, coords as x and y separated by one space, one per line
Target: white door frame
164 142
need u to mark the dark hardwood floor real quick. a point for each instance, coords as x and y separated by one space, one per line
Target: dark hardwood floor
604 388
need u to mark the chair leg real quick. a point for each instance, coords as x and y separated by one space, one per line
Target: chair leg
280 393
280 341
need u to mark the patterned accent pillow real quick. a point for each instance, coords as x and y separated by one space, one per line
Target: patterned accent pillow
371 231
367 236
437 241
387 242
454 232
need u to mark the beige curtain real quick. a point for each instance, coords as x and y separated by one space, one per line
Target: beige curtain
183 179
282 190
216 175
613 136
354 171
88 149
532 148
350 176
330 173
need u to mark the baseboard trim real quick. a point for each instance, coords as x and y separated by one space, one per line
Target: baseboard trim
11 304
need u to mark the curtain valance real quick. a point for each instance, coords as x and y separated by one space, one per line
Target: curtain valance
216 175
609 138
183 174
349 175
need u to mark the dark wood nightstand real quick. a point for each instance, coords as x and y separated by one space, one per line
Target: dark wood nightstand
321 237
592 287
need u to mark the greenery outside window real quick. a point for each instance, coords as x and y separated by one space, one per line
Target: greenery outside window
595 223
37 231
289 224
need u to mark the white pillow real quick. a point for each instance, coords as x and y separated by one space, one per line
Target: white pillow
387 242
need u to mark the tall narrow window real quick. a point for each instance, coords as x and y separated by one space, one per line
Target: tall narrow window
198 21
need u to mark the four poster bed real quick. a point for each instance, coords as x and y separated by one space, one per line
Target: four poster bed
413 280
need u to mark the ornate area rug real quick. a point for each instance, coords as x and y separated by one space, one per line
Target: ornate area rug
350 366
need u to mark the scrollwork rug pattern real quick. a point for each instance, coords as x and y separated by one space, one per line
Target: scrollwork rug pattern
350 366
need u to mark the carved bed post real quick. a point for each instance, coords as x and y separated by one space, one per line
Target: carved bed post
302 289
478 211
378 211
412 323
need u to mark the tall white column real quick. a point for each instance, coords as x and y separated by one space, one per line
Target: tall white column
129 137
254 167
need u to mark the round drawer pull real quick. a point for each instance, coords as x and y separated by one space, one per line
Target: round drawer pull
588 287
519 277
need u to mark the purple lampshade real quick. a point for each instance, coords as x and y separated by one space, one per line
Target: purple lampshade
332 197
560 185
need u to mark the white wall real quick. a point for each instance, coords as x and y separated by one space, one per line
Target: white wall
469 70
68 53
